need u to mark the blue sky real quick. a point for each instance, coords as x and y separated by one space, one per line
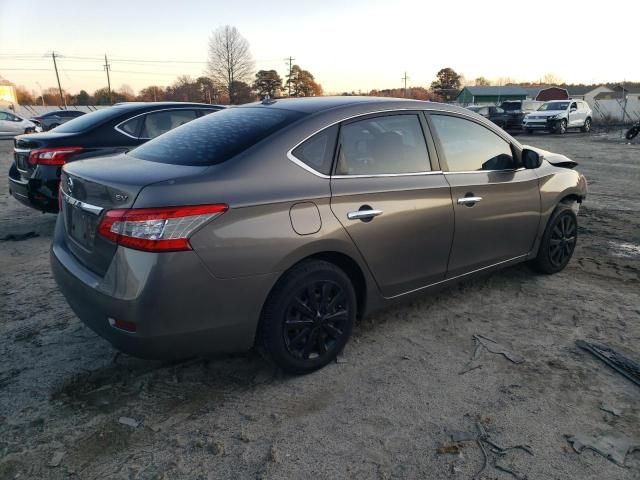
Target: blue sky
346 45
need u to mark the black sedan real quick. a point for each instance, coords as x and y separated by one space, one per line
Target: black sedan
51 120
34 175
496 114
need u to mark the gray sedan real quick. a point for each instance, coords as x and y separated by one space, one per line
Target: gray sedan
278 224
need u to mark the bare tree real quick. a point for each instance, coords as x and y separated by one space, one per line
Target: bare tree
229 59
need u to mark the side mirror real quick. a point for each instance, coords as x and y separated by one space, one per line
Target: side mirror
531 159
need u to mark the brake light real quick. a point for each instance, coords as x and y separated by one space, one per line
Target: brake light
165 229
52 156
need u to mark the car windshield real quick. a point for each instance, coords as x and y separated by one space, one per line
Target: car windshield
549 106
90 120
217 137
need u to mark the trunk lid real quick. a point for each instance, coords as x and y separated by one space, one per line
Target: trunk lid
92 187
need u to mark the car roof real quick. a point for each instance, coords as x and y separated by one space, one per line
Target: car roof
311 105
123 106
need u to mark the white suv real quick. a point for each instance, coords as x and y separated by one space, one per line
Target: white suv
558 115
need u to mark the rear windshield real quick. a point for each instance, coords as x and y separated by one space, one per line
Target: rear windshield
90 120
215 138
511 106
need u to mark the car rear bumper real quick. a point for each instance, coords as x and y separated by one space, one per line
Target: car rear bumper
178 307
34 193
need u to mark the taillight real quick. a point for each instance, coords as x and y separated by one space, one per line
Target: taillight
165 229
52 156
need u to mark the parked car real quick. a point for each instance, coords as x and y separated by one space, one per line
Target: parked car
495 114
12 125
56 118
34 175
557 116
279 224
516 110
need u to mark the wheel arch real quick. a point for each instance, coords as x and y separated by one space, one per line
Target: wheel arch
342 260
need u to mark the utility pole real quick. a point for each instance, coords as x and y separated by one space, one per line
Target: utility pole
405 78
55 66
107 67
290 60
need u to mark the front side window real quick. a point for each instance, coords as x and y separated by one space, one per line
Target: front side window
157 123
317 151
392 144
468 146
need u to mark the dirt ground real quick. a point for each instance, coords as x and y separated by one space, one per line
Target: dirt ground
70 407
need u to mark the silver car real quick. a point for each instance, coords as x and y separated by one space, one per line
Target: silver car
12 125
278 224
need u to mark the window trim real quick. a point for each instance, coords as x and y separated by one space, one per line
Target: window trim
426 129
515 150
118 129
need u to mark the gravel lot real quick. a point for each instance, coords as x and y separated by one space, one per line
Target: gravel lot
70 407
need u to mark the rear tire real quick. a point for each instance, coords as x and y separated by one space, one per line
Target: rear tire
586 128
308 317
558 241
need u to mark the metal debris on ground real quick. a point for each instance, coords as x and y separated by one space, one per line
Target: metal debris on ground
485 343
615 360
616 412
17 237
492 453
131 422
56 459
613 446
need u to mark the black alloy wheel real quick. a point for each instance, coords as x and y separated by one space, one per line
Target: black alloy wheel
315 320
562 241
308 317
558 242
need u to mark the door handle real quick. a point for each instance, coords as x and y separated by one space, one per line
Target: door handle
364 214
469 200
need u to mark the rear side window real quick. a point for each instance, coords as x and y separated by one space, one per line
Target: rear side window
132 127
392 144
317 151
215 138
157 123
469 146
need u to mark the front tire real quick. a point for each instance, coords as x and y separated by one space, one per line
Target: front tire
561 127
308 317
586 128
558 242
